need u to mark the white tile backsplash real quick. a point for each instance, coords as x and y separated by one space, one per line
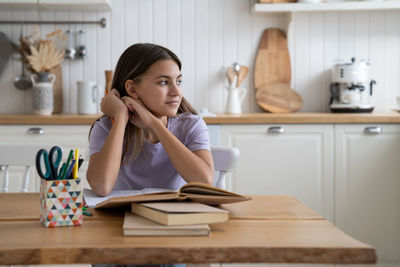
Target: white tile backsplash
209 35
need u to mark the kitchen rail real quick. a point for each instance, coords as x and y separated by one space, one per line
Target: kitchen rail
247 118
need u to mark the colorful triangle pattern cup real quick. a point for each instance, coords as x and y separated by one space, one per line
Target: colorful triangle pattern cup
61 202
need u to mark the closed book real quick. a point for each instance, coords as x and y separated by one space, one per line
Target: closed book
180 213
197 192
135 225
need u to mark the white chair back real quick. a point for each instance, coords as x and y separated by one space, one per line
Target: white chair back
17 155
225 159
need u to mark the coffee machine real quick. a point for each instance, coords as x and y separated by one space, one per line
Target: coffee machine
351 87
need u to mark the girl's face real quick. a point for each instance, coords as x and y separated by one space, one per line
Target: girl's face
159 88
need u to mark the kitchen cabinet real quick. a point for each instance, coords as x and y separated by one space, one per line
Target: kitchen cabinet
284 159
349 173
66 136
367 187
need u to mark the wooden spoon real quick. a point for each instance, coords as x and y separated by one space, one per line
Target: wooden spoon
278 98
231 75
244 70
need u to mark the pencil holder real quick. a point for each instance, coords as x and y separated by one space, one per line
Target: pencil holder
61 202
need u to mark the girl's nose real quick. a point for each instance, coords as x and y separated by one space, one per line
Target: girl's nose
174 89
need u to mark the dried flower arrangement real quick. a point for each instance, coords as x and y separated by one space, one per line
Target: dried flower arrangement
42 55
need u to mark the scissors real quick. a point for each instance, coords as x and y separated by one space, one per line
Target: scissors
51 162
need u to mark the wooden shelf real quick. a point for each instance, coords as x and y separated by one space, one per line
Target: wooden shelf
86 5
333 6
81 5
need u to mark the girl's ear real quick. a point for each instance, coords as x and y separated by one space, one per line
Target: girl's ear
130 89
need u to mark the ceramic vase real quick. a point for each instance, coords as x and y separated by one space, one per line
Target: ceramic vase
43 100
234 100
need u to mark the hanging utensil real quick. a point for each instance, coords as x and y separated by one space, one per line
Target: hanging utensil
22 82
5 51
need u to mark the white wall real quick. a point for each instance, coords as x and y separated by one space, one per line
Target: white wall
209 35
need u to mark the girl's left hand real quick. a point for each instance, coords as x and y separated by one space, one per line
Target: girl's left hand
139 115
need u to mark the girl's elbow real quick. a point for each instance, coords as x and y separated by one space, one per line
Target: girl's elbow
103 192
102 189
209 178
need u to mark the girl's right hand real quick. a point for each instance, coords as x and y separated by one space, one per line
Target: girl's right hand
113 106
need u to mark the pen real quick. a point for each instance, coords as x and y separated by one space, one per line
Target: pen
71 153
69 172
75 170
62 171
80 163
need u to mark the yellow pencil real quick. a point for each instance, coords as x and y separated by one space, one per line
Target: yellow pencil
75 172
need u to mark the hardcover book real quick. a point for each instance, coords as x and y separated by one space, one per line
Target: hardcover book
180 213
135 225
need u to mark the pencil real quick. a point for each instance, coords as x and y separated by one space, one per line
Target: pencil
75 172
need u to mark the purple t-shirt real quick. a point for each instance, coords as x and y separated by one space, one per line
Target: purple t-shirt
152 167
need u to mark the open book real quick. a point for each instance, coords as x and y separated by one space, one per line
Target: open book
197 192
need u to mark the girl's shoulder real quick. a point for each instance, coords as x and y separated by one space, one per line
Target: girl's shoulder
186 118
103 123
186 123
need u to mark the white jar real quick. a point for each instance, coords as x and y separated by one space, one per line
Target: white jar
43 100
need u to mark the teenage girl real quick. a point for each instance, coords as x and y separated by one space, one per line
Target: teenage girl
150 136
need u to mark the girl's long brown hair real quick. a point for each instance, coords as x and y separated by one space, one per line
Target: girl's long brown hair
133 62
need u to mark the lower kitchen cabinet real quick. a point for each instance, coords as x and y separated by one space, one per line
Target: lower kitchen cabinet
65 136
367 187
284 159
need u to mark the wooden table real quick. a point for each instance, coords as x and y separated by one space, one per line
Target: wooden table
273 229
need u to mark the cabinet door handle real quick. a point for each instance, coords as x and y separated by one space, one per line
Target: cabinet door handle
35 131
373 130
276 130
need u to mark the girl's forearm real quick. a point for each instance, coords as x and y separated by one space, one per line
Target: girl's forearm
191 167
104 166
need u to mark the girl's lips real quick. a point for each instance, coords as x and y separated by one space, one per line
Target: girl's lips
176 102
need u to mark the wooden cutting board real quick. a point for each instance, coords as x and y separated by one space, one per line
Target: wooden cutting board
58 90
272 61
278 98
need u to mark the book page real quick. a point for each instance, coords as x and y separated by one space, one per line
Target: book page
92 199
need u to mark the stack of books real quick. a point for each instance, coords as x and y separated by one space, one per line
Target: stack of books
185 211
172 218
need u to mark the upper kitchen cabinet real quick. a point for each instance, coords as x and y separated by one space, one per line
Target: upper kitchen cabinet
367 186
86 5
284 159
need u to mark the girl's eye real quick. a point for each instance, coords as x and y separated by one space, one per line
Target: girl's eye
179 82
163 82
